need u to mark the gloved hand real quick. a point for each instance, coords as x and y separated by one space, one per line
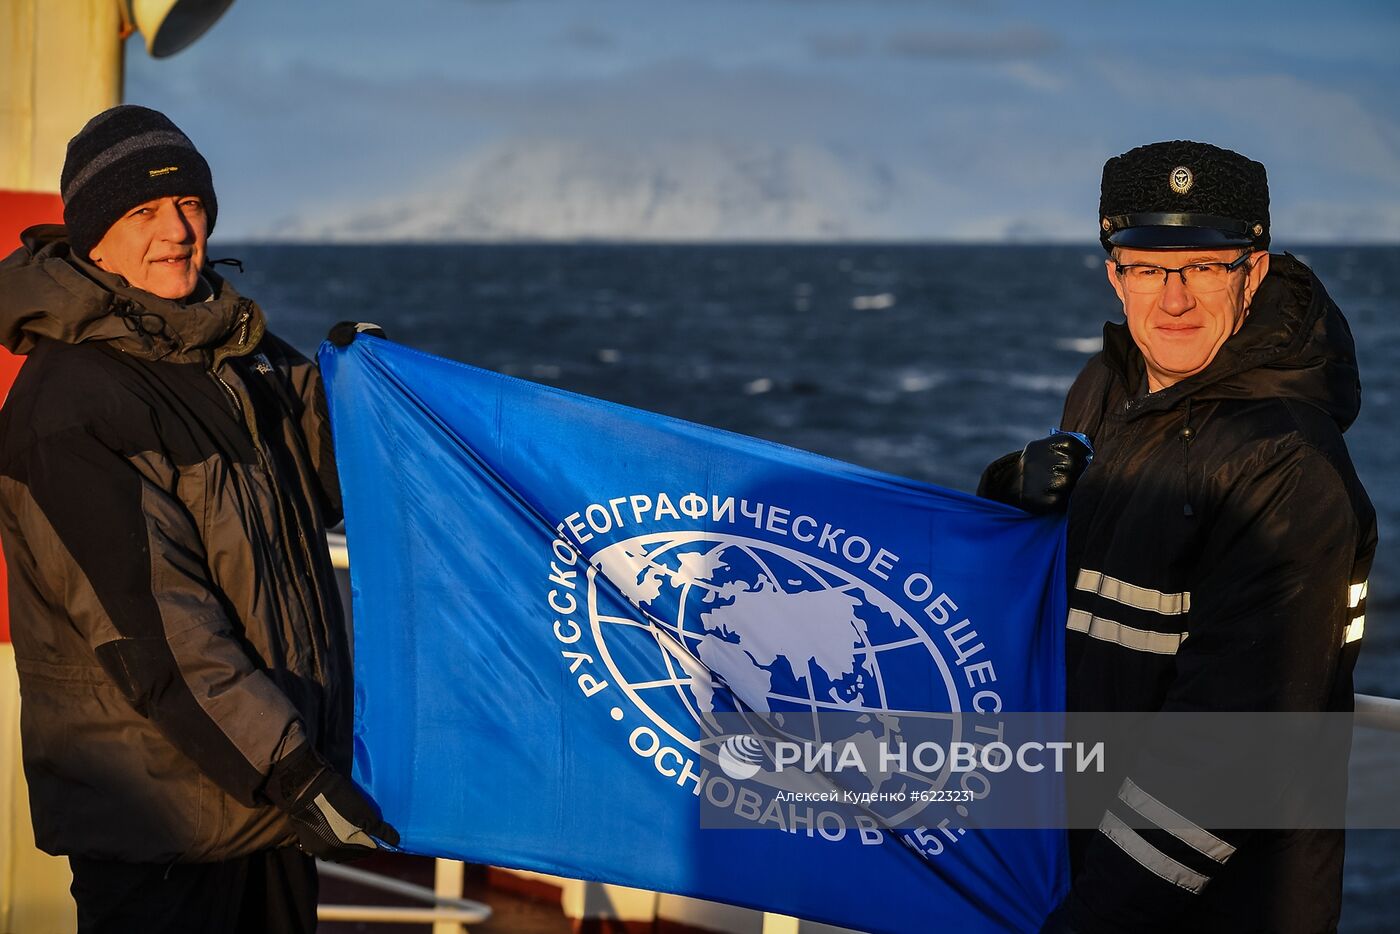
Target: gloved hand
1038 479
333 819
343 333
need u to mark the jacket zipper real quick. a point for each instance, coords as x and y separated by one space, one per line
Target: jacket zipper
244 409
232 395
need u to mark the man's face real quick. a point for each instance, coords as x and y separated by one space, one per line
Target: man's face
157 246
1178 330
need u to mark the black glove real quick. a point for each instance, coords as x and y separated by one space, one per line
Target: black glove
343 333
1038 479
333 819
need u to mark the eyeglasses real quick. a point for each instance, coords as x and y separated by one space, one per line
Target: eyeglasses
1198 277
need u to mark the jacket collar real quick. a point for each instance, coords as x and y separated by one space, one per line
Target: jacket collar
46 291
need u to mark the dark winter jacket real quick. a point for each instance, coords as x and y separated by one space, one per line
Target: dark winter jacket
166 478
1218 551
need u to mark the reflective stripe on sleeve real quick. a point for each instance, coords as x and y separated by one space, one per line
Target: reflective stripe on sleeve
1143 640
1357 594
1193 835
1149 857
1354 630
1142 598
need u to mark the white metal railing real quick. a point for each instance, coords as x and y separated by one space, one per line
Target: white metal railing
340 555
448 914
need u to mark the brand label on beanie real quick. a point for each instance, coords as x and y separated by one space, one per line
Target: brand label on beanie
163 171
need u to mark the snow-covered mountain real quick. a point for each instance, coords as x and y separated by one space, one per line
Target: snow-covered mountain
590 189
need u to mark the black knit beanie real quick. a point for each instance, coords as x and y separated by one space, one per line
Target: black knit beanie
126 156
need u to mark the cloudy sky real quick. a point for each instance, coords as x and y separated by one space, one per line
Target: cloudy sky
982 120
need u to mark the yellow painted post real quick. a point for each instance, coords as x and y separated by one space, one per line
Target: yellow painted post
60 63
448 875
34 895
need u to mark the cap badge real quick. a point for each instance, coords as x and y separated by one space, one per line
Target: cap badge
1181 179
1106 224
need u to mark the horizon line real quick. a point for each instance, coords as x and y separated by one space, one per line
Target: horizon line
747 242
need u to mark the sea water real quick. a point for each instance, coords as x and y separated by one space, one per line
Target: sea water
923 360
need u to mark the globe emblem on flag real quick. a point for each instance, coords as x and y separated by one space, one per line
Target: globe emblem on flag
731 628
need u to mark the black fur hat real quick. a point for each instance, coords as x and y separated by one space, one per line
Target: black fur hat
1180 194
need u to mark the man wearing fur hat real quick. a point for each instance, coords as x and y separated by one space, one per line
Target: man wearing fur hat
1219 543
166 480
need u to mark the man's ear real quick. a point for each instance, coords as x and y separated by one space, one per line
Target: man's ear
1110 266
1257 271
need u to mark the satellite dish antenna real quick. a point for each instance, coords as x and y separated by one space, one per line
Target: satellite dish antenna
170 25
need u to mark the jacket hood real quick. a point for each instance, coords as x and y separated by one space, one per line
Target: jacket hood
1294 344
47 291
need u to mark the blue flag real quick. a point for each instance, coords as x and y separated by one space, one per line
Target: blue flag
560 603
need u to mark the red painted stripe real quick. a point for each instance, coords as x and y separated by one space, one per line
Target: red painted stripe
18 210
21 209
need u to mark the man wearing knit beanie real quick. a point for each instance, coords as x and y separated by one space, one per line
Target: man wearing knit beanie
177 625
1218 551
123 157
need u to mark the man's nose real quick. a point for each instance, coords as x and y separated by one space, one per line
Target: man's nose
173 223
1176 297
